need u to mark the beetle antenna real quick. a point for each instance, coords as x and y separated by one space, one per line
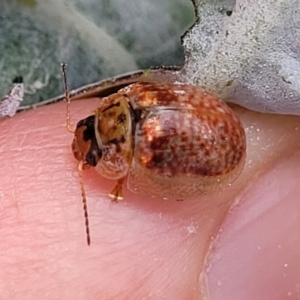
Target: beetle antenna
67 97
86 216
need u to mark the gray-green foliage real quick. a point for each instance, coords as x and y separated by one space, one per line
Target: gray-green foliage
97 38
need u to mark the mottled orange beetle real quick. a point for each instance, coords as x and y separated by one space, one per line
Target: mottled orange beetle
162 139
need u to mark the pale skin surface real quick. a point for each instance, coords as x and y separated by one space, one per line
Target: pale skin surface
143 248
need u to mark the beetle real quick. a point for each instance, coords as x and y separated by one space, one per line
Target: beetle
169 140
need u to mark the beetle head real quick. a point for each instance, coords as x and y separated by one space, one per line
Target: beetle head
84 146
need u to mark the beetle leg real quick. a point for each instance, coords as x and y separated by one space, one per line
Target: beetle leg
117 194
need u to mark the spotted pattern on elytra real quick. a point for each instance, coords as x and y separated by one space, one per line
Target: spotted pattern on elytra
187 130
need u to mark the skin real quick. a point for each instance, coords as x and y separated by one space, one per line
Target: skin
143 248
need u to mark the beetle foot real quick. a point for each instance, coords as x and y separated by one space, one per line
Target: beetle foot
117 193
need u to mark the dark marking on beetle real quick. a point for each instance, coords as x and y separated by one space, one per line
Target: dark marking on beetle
88 122
111 106
136 114
136 117
89 131
116 141
88 134
91 158
121 118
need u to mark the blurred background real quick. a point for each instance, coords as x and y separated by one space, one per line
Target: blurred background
96 38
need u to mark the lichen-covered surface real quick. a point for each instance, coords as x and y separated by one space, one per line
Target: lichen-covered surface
248 52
